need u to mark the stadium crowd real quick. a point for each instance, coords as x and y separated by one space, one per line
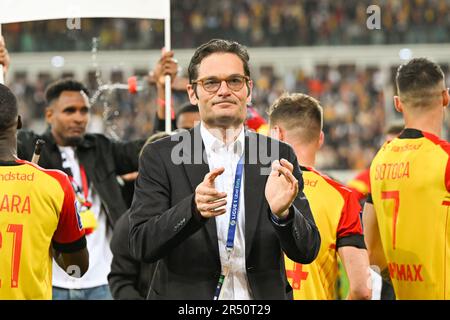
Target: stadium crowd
255 23
353 104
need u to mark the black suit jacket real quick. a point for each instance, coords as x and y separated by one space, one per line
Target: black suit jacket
165 226
129 279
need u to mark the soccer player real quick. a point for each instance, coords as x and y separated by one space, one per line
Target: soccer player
37 216
297 120
360 184
406 217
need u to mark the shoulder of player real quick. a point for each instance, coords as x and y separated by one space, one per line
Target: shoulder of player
445 145
56 174
342 189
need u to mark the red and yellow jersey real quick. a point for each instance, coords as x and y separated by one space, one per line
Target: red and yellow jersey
336 213
360 184
410 179
37 209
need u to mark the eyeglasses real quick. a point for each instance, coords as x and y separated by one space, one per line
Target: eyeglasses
212 84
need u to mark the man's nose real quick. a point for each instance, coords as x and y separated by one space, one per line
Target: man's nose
80 117
223 89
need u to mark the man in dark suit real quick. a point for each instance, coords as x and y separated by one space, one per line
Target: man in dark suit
214 239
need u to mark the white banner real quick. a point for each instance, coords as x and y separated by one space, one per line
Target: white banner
32 10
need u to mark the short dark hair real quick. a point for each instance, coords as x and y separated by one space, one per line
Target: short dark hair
8 108
417 75
187 108
217 46
55 89
300 112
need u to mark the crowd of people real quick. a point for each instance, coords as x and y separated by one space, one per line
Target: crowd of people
253 22
353 101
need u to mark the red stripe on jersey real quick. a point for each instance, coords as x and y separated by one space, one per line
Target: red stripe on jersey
350 222
446 203
446 147
68 230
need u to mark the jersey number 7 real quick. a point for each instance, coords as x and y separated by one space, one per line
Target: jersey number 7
16 230
393 195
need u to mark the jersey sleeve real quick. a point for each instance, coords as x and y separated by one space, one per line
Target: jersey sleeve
349 231
69 235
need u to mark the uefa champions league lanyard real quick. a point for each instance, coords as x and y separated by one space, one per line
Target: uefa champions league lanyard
232 225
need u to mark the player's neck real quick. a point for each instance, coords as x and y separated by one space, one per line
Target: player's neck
431 123
306 154
8 149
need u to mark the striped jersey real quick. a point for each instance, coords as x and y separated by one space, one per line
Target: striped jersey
37 210
336 211
410 180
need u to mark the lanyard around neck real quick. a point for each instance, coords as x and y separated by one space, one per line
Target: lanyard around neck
233 222
84 186
235 205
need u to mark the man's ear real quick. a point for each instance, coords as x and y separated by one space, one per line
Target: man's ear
48 114
321 139
398 104
273 133
192 93
19 122
277 133
249 85
445 98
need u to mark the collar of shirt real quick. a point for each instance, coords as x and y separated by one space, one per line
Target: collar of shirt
212 144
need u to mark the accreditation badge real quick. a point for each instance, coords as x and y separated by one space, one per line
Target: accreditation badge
88 220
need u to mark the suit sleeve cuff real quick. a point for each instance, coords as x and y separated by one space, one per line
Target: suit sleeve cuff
195 213
283 221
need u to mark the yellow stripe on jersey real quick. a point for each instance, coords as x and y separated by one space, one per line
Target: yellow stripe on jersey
327 199
31 202
410 178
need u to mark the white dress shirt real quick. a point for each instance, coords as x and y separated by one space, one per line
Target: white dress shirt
235 286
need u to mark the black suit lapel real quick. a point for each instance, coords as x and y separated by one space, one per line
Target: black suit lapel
196 167
254 186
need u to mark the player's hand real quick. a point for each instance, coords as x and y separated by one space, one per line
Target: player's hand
209 201
166 65
281 188
4 55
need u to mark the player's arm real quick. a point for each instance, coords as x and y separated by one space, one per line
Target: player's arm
352 248
356 264
372 237
75 264
69 241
